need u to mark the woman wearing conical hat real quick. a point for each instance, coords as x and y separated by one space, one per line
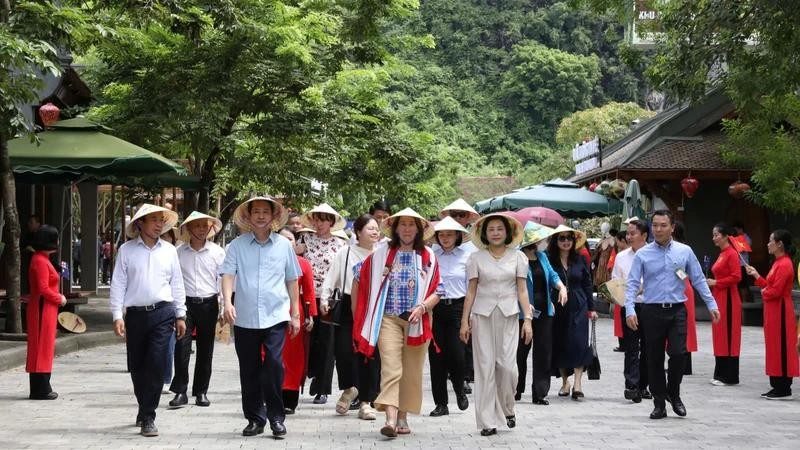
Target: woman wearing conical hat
496 294
397 287
320 249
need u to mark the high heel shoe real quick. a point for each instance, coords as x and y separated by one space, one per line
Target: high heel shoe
576 394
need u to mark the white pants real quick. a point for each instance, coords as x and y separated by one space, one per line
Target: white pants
494 353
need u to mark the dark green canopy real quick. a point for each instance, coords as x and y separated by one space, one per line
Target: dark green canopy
79 148
565 197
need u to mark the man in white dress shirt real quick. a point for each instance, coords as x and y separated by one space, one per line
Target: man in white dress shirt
200 260
147 287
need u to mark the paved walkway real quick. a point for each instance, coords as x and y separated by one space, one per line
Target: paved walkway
96 409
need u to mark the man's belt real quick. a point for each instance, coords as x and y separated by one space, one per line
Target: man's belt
664 305
450 301
202 300
152 307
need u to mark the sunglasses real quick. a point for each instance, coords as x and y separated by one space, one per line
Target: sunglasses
565 238
458 214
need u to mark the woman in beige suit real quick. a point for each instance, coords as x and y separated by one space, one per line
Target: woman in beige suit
496 293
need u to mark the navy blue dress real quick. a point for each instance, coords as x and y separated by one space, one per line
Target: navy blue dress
571 322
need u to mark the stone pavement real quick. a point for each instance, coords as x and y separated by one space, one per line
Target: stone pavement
96 410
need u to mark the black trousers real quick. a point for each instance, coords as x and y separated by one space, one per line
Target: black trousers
321 358
202 316
147 338
635 346
261 380
726 369
782 385
659 325
346 368
542 356
291 399
40 384
369 376
450 361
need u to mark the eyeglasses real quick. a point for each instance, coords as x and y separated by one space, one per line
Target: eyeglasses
565 238
458 214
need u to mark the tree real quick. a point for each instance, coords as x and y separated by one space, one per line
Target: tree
608 122
747 48
30 32
548 84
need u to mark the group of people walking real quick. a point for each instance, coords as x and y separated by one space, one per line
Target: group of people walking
301 300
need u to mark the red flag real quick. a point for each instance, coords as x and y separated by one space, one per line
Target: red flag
740 244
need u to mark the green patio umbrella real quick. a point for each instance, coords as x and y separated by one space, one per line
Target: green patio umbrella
80 148
565 197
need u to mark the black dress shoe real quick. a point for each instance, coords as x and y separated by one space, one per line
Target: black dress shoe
52 395
440 410
149 429
659 412
462 401
646 394
518 396
488 431
511 421
202 400
288 411
252 429
540 401
179 400
320 399
677 406
467 388
277 427
355 405
633 395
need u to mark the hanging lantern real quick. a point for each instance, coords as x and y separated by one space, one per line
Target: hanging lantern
737 189
592 187
49 113
690 185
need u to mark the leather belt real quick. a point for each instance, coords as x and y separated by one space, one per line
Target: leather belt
450 301
664 305
202 300
152 307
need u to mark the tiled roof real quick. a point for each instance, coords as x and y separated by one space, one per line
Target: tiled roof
701 153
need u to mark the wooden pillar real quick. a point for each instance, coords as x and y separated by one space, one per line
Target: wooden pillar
89 236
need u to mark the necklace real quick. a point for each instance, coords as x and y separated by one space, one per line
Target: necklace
498 258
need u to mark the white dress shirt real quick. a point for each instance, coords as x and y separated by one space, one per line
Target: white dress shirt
201 269
622 265
145 276
453 271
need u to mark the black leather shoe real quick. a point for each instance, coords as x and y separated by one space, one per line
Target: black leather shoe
646 394
518 396
252 429
677 406
355 405
52 395
139 423
288 411
320 399
488 431
277 427
149 429
179 400
540 401
462 401
634 395
511 421
440 410
659 412
201 400
467 388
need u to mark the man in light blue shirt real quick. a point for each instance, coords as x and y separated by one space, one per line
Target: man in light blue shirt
264 267
660 269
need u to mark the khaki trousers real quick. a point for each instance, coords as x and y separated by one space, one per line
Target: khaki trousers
401 367
494 352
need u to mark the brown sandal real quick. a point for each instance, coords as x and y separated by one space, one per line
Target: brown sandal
389 430
402 427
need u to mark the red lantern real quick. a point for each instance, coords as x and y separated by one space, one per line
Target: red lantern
690 185
737 189
592 187
49 113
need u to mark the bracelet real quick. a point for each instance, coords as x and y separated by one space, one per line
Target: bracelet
424 308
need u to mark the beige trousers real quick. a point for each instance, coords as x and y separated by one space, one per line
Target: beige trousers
401 367
494 355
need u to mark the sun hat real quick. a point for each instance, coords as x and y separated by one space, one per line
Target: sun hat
279 214
427 232
449 224
216 225
460 205
516 230
170 218
341 234
534 232
631 219
324 208
580 236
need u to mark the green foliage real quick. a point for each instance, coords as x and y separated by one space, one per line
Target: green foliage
609 122
547 84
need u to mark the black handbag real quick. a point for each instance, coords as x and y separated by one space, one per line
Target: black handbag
335 300
593 371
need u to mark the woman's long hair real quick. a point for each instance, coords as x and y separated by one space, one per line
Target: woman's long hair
419 242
